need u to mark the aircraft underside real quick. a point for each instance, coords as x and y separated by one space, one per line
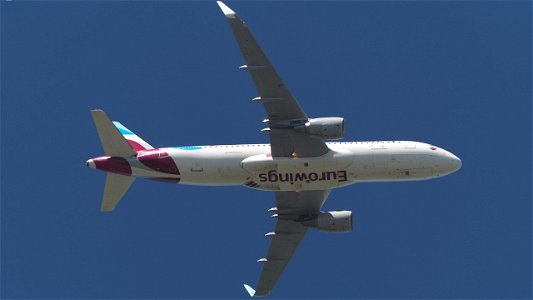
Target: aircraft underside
298 165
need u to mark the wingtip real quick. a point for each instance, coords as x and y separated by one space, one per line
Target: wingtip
226 10
249 289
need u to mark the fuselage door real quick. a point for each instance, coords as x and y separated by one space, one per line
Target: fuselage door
410 145
197 166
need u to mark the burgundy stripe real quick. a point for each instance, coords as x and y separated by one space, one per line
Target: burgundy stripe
169 180
112 164
136 146
158 160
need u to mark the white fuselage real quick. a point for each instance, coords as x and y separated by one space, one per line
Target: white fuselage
346 163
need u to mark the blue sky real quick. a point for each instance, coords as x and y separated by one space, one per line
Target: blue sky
454 74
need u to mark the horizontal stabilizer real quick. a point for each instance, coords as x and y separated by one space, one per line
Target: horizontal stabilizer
250 290
115 187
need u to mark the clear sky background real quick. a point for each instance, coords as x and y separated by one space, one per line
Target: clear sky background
453 74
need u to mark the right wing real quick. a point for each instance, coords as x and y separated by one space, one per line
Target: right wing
293 208
284 112
278 100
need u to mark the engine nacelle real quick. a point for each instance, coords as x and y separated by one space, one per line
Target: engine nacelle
335 221
331 128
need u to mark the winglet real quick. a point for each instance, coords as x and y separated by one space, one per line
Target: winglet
248 288
226 10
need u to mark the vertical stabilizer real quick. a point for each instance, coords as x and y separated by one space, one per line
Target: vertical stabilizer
113 142
115 187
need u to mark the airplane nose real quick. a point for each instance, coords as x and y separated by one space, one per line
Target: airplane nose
90 163
454 162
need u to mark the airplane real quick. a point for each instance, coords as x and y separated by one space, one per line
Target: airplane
298 166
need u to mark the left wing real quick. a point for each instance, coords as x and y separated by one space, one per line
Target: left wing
293 209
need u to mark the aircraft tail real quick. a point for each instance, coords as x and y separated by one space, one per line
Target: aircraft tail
118 142
116 139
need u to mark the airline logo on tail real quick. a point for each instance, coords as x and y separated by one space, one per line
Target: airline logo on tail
135 141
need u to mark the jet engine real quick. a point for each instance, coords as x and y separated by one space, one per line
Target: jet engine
331 128
333 221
